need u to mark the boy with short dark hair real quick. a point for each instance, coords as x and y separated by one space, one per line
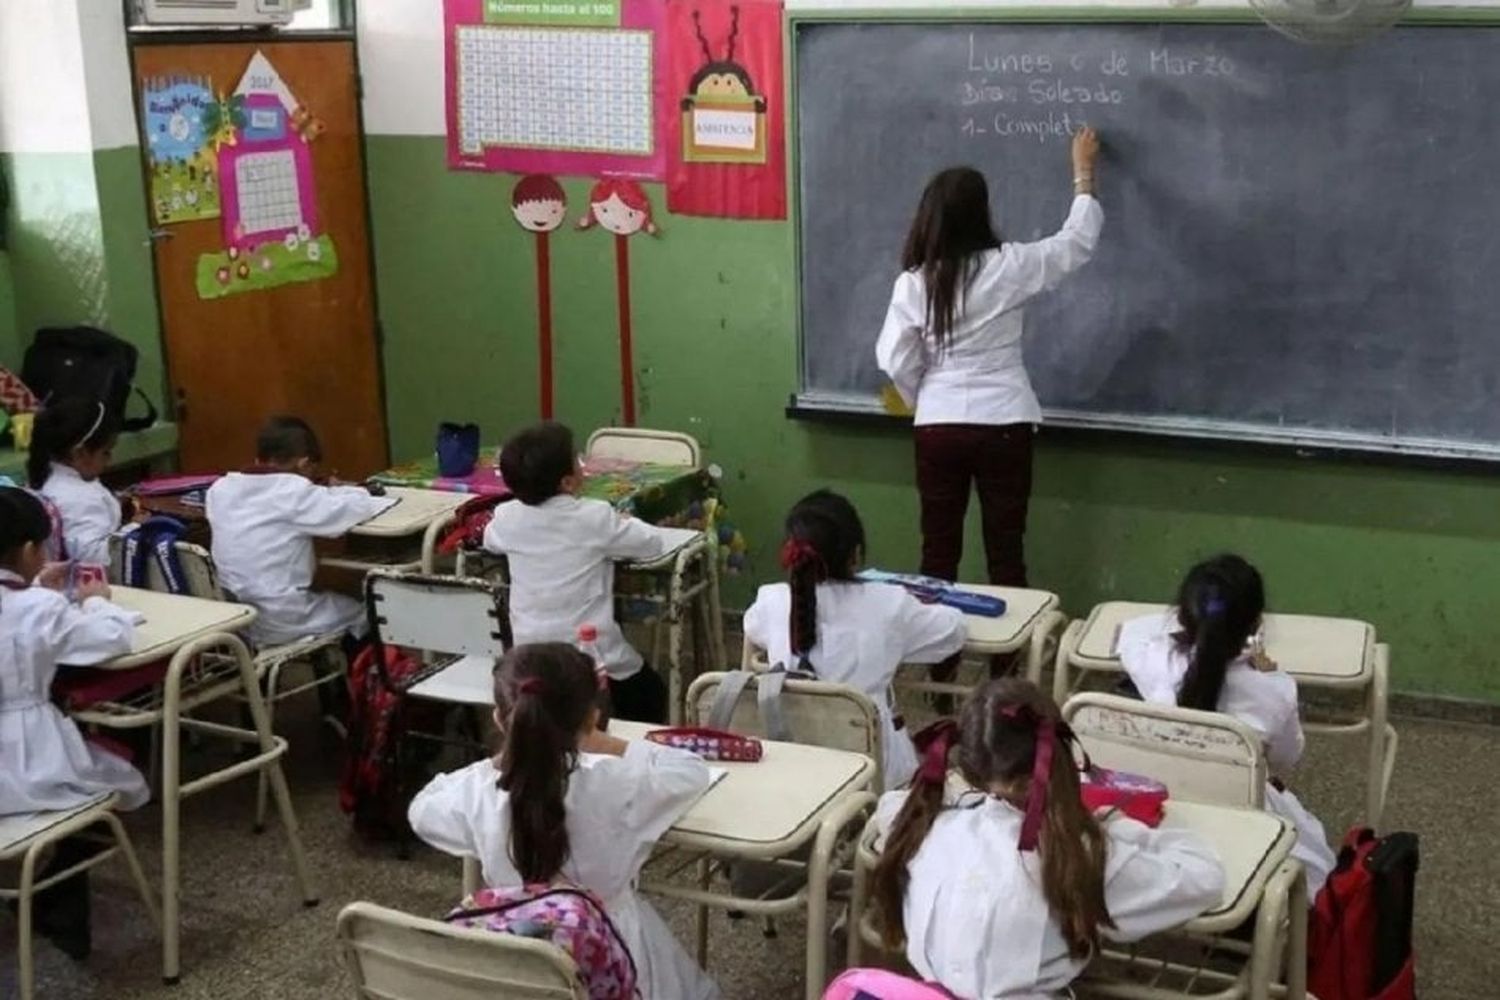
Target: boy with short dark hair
263 522
562 549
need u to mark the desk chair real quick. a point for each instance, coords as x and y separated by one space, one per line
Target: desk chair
396 956
640 444
325 650
24 838
1201 757
460 627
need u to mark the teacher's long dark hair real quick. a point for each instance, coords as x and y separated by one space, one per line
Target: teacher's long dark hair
952 225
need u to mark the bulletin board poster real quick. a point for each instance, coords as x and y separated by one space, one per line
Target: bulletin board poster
561 87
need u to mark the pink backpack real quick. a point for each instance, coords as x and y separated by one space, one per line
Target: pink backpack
879 984
571 918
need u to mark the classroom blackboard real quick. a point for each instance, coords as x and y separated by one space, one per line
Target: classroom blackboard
1302 244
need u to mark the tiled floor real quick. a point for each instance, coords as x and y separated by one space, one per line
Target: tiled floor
246 934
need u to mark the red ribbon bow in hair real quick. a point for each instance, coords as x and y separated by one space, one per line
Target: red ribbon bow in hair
1047 732
798 552
933 743
530 685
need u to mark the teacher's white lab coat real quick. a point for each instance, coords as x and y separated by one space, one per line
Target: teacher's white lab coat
263 525
617 808
1266 701
562 555
976 919
865 631
980 376
45 763
89 511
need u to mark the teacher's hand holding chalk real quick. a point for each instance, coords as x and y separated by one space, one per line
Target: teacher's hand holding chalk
1085 156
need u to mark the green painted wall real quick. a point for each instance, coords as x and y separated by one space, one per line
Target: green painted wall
1415 551
79 251
10 345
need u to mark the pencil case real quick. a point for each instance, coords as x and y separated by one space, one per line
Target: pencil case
710 744
1137 796
931 590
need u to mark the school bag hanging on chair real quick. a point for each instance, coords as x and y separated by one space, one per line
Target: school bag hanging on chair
1359 929
569 917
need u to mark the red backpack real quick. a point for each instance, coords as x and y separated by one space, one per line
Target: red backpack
1359 930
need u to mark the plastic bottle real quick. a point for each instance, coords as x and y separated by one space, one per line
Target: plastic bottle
588 645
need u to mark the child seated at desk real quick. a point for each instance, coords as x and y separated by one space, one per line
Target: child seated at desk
72 442
1005 889
1206 654
263 522
47 765
564 801
562 550
825 621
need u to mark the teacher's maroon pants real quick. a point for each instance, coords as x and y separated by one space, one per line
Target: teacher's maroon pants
996 460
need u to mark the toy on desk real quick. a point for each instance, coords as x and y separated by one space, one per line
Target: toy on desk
710 744
934 591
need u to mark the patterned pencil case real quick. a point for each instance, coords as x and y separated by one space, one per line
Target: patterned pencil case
1137 796
710 744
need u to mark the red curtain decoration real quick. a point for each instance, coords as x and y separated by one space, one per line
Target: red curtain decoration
724 64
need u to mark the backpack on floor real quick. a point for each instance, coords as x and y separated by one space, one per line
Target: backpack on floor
569 917
83 361
881 984
1359 929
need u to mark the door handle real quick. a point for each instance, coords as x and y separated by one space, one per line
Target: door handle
157 235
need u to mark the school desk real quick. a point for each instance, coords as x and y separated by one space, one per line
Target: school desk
403 536
795 800
1337 654
1031 622
1260 882
208 663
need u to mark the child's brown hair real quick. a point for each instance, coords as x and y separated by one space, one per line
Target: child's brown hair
1011 743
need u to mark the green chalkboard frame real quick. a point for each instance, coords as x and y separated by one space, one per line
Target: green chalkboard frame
825 406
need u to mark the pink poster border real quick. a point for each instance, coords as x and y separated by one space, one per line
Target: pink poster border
649 15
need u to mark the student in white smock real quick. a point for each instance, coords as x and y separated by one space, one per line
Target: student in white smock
72 444
562 551
264 522
566 803
1004 890
1205 654
825 621
47 762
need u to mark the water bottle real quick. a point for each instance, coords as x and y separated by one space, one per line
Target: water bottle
588 645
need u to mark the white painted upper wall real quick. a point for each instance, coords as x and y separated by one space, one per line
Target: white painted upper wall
106 71
401 49
43 106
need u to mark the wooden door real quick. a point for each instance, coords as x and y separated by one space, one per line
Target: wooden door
308 348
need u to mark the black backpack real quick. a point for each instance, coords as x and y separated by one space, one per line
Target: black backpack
84 361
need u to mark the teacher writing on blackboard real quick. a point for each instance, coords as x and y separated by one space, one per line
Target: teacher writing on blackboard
951 345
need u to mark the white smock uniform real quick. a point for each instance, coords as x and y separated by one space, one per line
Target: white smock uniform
617 808
976 919
562 555
263 525
980 377
865 631
89 511
1266 701
47 764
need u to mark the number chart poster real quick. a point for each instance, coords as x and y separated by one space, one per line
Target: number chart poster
572 87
